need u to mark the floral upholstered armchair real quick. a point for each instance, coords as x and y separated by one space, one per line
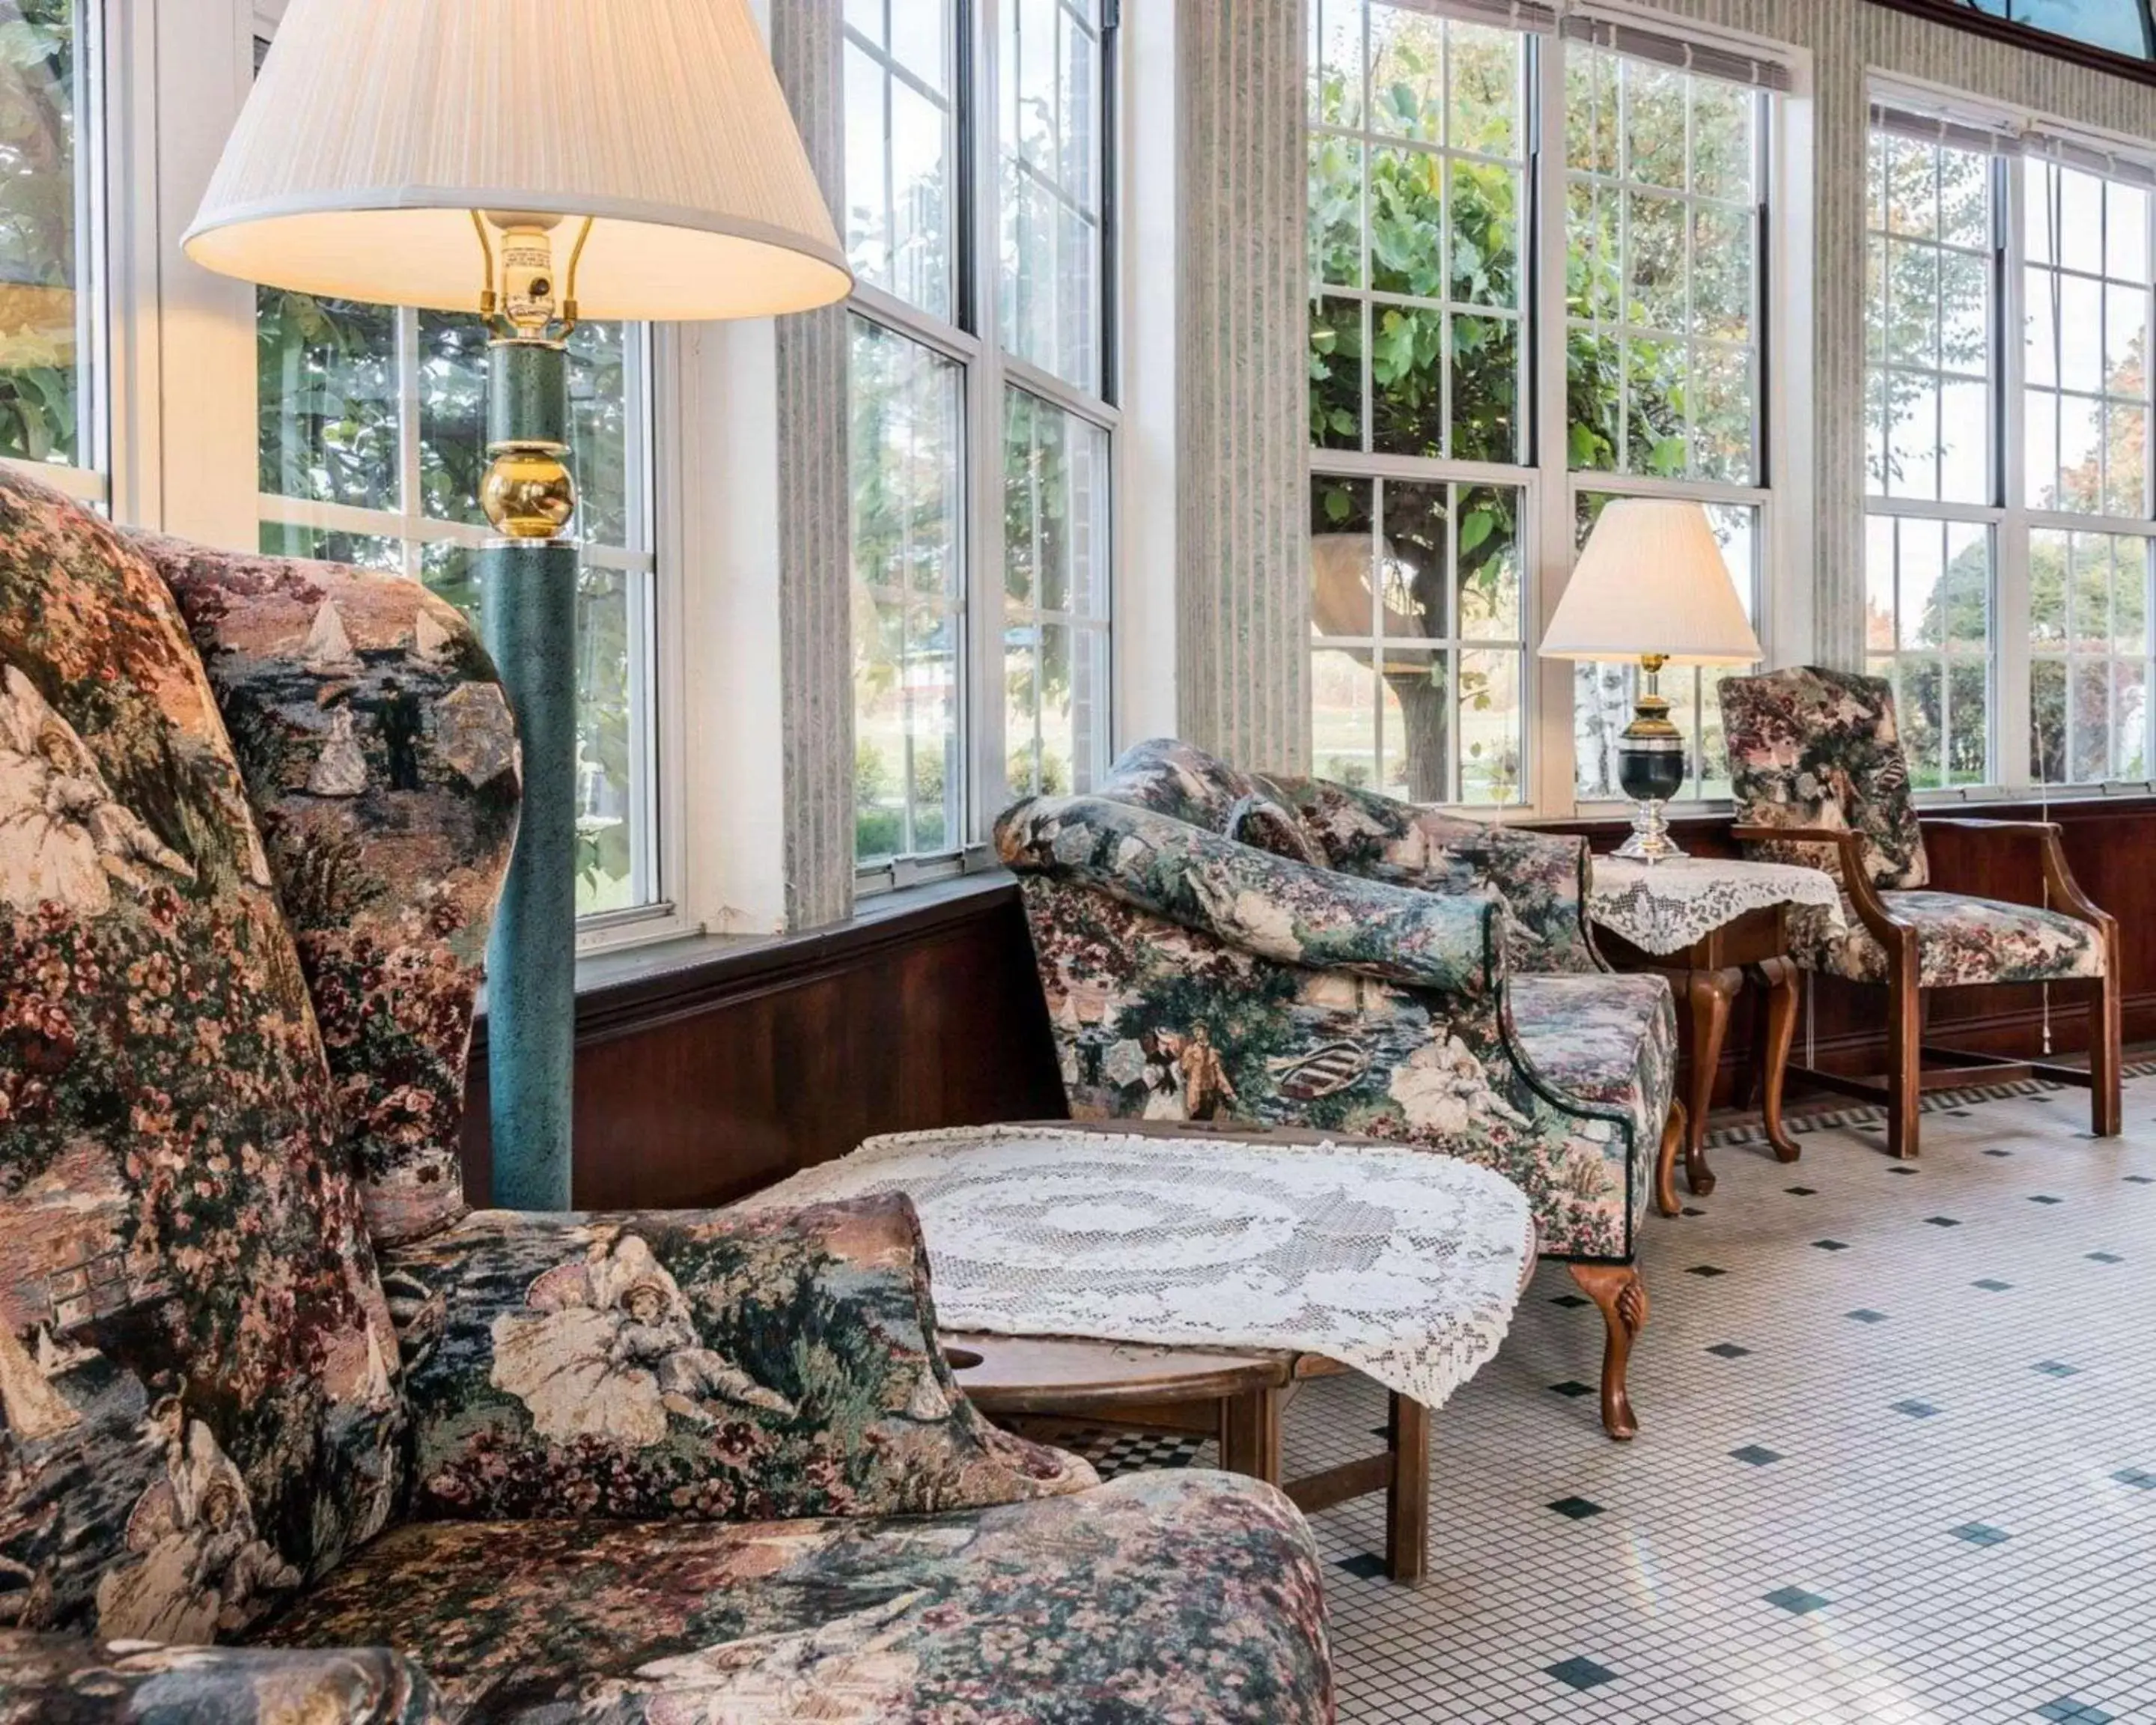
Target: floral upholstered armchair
287 1434
1820 780
1218 945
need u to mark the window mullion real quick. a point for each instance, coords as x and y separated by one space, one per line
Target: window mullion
981 581
1548 775
2011 765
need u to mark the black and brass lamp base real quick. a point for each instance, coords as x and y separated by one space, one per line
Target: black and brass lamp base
1650 768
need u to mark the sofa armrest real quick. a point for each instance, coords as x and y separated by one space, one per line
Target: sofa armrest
67 1679
718 1364
1250 899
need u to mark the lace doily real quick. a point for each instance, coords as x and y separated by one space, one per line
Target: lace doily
1404 1264
1665 907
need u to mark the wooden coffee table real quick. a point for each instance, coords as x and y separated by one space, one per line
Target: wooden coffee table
1235 1397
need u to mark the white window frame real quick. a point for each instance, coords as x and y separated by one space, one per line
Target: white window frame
987 368
1782 493
105 97
2012 520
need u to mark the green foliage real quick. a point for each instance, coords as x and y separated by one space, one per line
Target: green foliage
40 370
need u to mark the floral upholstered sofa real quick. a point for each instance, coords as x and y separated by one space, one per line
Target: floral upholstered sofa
286 1434
1219 945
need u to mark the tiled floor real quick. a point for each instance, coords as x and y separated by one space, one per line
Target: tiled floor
1897 1459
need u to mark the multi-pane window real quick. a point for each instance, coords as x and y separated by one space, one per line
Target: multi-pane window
982 423
1436 178
1932 275
51 309
2088 666
1664 215
371 444
2122 26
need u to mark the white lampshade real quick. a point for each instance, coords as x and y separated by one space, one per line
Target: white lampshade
376 127
1652 580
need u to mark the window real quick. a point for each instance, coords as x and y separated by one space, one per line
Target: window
2013 524
1933 263
1437 175
982 422
52 312
2122 26
372 442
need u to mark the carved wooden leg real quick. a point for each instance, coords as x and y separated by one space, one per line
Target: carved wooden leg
1622 1297
1711 991
1779 976
1407 1496
1905 1035
1673 1137
2107 1117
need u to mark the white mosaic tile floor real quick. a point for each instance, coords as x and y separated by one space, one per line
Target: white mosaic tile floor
1898 1459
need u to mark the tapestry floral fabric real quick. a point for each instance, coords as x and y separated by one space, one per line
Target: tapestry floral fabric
1540 878
65 1680
1189 978
1606 1038
1163 1596
382 761
1809 747
1959 941
196 1409
724 1366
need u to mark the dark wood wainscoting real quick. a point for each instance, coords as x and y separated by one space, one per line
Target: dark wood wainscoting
705 1074
705 1071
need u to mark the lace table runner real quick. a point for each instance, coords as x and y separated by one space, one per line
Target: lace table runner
1399 1263
1664 908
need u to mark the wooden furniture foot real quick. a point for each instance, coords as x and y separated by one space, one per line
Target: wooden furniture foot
1674 1138
1617 1289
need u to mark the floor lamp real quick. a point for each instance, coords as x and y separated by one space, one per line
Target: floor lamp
532 164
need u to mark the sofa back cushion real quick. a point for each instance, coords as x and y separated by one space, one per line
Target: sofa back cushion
381 760
1181 780
1810 748
196 1407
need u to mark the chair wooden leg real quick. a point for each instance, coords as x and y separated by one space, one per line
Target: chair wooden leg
1622 1297
1905 1037
1675 1132
2107 1117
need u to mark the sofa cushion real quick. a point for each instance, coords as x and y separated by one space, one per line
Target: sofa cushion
382 763
1609 1039
1177 1595
1258 820
1810 748
194 1349
1959 941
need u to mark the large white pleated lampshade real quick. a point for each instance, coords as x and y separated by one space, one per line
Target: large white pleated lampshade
1652 580
378 127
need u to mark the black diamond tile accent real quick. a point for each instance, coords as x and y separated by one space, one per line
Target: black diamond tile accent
1801 1191
1581 1674
1368 1566
1692 1210
1571 1302
2043 1198
1998 1152
1992 1285
1573 1387
1943 1221
1898 1168
1729 1350
1832 1246
1979 1533
1755 1455
2105 1258
1916 1409
1959 1113
1576 1509
1796 1601
1705 1269
2141 1179
1866 1315
2137 1478
2056 1368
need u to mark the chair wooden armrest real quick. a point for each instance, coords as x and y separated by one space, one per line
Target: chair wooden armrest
2065 891
1886 927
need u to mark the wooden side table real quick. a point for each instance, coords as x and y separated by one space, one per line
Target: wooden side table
1706 978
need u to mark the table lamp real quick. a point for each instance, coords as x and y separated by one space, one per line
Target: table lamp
1651 584
532 164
